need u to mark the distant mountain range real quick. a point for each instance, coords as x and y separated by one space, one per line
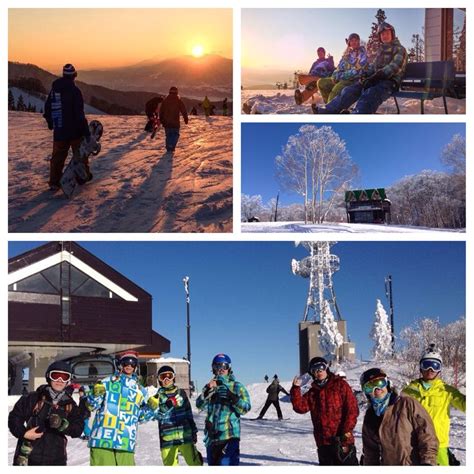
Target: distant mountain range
106 99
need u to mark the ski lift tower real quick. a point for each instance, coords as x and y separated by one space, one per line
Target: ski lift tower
319 267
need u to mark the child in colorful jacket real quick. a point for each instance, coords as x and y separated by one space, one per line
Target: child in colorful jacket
121 403
225 400
350 69
178 432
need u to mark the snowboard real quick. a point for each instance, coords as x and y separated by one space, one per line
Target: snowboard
76 172
305 79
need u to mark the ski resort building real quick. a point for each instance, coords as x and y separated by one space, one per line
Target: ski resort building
367 206
64 301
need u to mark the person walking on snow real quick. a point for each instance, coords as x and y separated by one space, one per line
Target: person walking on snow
381 80
272 399
397 430
437 398
334 412
178 432
171 107
64 114
41 420
206 105
120 403
225 401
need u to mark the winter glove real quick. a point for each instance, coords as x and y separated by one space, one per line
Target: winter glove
225 395
175 401
373 79
58 423
98 390
153 403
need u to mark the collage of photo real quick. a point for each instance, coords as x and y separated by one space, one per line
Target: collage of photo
319 317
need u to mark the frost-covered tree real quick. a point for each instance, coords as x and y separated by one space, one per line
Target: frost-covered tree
374 43
251 206
453 155
315 164
381 334
330 339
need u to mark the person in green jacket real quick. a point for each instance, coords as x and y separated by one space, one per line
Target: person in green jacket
437 397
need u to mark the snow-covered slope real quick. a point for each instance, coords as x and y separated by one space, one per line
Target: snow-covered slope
282 102
336 227
137 187
266 442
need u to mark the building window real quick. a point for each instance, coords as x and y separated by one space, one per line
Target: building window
459 39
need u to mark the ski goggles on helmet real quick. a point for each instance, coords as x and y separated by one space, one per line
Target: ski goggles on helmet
166 376
59 376
371 385
128 361
220 366
430 364
318 367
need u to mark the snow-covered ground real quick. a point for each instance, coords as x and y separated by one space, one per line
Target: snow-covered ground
266 442
137 187
283 102
336 227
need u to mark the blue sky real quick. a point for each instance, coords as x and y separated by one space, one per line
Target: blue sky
287 39
384 152
246 302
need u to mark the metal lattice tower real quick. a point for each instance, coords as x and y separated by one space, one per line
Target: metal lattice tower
319 267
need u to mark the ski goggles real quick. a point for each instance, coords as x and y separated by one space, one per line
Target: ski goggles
220 366
166 376
128 361
318 367
58 376
371 385
430 364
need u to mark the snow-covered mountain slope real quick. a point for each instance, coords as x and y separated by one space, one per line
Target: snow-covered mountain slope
266 442
279 227
137 187
283 102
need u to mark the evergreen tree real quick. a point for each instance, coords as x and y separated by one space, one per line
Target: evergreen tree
20 105
373 43
11 100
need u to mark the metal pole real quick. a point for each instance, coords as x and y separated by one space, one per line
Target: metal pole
188 327
276 206
388 280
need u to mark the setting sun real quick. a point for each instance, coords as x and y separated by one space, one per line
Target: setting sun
198 51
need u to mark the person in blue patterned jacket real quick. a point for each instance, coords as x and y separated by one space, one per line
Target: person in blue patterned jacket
349 70
178 432
121 403
225 400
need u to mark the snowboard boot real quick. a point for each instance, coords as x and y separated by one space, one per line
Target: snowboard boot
298 97
314 108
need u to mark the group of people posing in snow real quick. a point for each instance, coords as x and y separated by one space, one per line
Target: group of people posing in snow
355 80
411 428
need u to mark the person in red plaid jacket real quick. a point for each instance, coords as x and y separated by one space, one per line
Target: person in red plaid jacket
334 411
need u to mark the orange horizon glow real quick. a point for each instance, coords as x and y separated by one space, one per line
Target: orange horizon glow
108 38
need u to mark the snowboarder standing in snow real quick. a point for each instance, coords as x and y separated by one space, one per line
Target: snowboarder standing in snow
152 110
206 105
272 399
437 397
170 109
381 80
64 113
178 432
120 403
397 430
225 400
334 412
41 420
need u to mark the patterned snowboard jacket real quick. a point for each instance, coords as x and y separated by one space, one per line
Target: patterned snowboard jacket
223 417
118 413
334 409
352 65
392 59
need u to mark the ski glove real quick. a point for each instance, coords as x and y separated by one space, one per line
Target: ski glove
175 401
99 389
224 394
153 403
373 79
58 423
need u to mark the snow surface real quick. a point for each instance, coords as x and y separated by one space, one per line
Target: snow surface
137 187
283 102
266 442
336 227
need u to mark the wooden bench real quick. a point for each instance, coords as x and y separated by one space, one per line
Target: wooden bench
427 81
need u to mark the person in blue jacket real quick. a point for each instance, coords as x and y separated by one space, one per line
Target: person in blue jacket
64 113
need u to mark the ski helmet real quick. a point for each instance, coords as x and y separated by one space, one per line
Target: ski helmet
221 359
342 374
164 369
317 362
385 26
173 90
373 374
128 358
58 366
431 358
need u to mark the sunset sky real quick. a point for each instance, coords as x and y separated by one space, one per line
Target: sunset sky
102 38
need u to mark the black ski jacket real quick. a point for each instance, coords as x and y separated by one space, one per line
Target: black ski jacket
34 410
64 111
273 390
